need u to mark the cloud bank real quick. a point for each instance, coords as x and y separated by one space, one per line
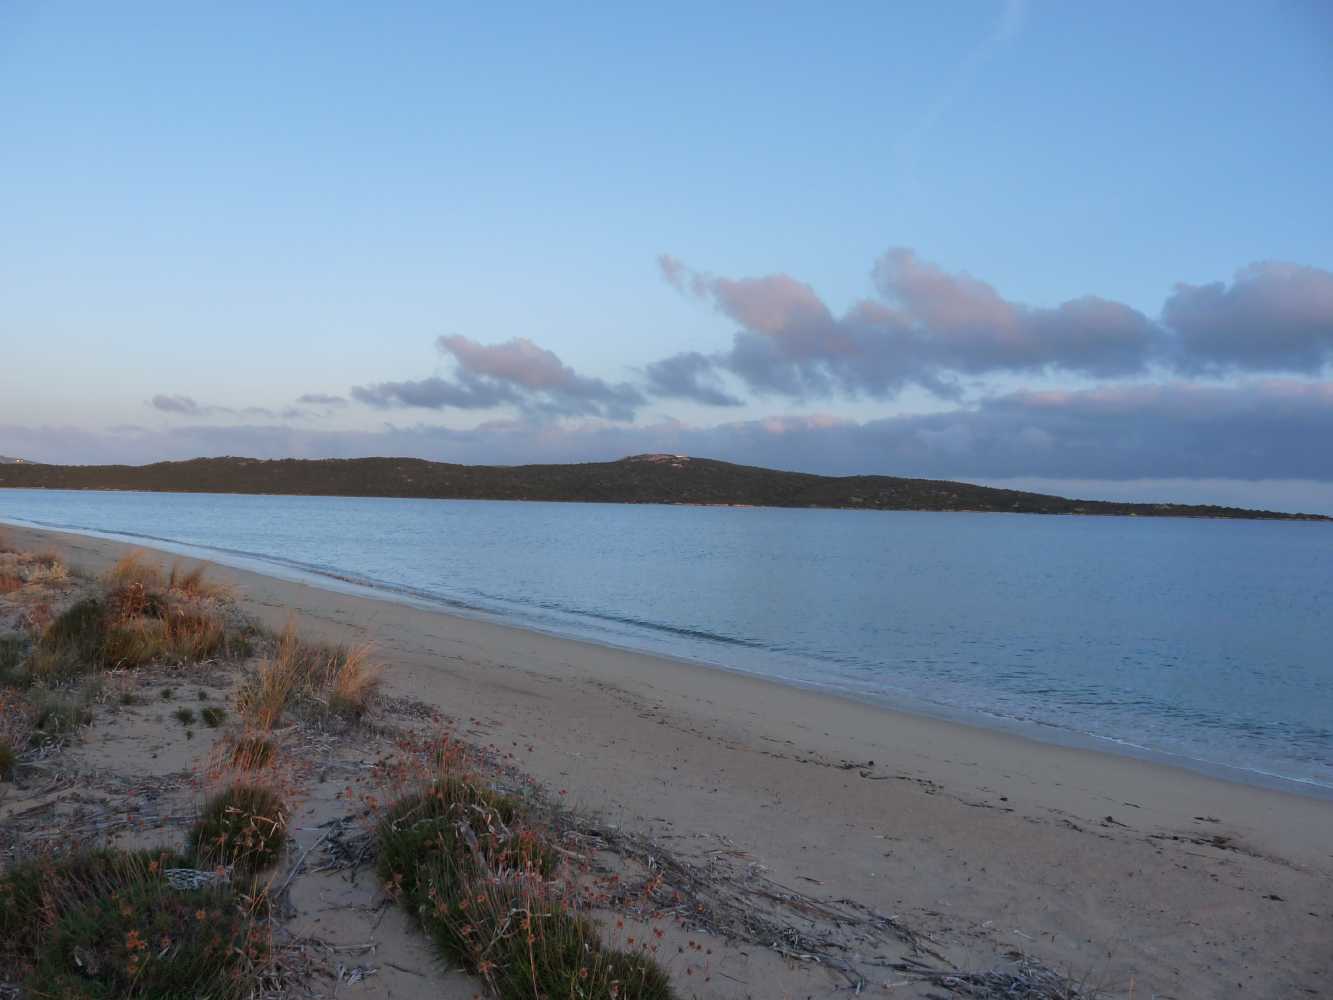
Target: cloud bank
1263 429
930 328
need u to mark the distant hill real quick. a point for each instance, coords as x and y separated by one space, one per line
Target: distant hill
668 479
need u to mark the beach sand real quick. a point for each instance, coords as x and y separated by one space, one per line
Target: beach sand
1145 880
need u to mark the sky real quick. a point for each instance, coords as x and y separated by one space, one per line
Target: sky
1079 248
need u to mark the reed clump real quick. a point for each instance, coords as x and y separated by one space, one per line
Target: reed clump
213 716
336 680
252 752
478 880
143 616
13 654
57 716
244 827
30 571
9 759
104 923
16 728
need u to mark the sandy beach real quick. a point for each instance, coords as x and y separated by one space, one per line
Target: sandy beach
1141 880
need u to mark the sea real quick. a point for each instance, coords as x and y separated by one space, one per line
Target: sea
1204 643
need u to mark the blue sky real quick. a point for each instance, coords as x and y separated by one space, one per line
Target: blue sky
455 222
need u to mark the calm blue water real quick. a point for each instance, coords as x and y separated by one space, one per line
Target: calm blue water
1210 640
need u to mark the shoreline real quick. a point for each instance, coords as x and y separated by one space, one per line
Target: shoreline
1142 877
974 718
1253 514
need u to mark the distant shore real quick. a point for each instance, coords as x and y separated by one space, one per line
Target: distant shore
637 479
1068 854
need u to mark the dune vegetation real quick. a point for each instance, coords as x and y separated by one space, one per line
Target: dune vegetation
204 909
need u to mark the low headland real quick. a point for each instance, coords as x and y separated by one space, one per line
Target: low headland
658 479
365 798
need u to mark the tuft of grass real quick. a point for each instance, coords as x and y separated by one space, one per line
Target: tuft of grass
72 643
22 569
168 694
145 617
44 568
58 716
241 646
354 682
132 627
104 924
13 653
213 716
131 571
244 826
175 634
477 881
203 695
149 940
530 944
340 680
184 715
191 583
16 718
252 753
265 694
37 894
128 697
429 842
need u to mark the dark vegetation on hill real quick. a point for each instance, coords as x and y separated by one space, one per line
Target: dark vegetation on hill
668 479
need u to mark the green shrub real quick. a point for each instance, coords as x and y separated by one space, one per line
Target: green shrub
8 760
213 716
550 952
459 859
429 842
146 939
428 822
13 653
76 636
132 627
251 753
58 716
185 716
36 895
244 826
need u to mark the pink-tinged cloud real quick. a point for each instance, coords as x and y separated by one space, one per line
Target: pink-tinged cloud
516 372
930 327
518 361
1272 317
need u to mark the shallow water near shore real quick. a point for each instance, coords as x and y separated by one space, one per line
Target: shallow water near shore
1210 641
